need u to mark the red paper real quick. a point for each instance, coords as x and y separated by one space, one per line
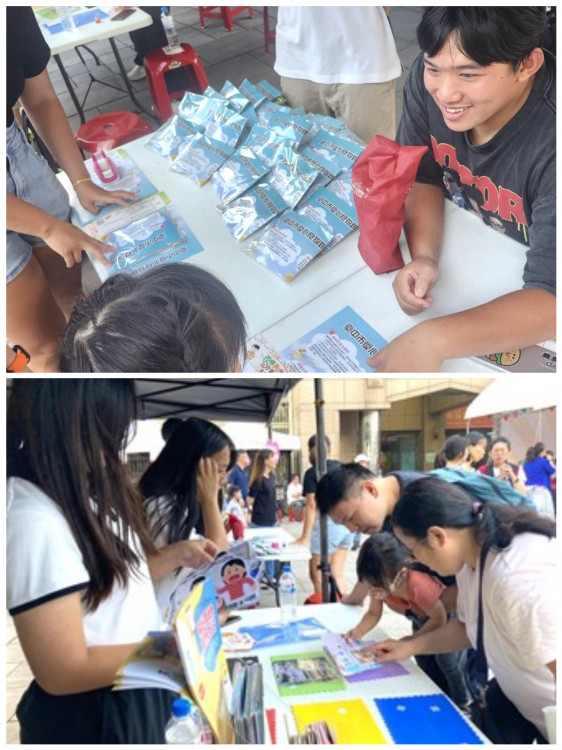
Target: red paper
382 178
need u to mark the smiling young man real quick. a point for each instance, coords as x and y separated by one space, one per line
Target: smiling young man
481 96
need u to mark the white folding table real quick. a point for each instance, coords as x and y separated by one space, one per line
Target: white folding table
65 41
338 618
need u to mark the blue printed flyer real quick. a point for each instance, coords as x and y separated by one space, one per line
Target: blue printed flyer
343 343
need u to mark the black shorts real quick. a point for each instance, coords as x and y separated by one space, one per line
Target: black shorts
103 716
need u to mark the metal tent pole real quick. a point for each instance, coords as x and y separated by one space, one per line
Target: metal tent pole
320 471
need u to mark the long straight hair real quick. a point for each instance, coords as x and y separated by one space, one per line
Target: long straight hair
67 437
258 466
169 485
430 502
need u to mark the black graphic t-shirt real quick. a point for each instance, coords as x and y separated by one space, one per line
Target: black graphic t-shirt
510 181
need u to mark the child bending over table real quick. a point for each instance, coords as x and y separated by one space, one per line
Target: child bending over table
383 565
175 318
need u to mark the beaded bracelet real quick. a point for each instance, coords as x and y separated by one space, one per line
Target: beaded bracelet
84 179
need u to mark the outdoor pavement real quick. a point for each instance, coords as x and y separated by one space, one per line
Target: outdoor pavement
232 56
19 676
226 55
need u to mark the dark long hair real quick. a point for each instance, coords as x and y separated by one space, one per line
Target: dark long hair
484 34
534 452
432 502
380 558
66 436
169 485
174 318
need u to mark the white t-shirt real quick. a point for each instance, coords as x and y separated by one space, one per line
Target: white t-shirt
520 598
43 562
335 44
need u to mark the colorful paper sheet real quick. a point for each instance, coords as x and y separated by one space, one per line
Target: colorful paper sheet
352 666
304 674
349 720
279 634
426 720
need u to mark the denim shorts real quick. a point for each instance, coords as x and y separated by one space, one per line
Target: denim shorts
29 177
339 537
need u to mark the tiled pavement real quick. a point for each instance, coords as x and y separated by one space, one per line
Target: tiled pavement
226 55
19 676
232 55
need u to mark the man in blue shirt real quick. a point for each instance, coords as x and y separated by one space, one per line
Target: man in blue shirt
238 475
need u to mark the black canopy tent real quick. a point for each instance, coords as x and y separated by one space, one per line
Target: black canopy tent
241 399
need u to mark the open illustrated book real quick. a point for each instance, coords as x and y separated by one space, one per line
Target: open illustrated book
200 673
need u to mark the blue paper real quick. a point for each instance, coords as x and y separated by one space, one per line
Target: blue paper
79 19
308 629
425 720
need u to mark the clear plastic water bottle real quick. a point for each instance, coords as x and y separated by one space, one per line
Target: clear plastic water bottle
174 45
65 16
184 727
288 595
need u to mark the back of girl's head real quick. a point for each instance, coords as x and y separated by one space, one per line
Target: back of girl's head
534 451
66 436
454 447
430 501
474 437
173 475
380 558
484 34
175 318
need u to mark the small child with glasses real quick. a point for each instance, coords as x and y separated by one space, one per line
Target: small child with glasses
384 565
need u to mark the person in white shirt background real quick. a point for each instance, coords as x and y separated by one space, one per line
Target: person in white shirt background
340 61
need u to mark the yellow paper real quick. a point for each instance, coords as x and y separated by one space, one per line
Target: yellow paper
350 720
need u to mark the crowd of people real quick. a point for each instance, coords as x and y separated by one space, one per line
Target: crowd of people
498 98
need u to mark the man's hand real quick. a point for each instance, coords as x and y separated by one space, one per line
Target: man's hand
89 194
413 351
192 553
69 241
412 284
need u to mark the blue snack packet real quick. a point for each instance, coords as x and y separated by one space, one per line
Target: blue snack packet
337 217
237 174
152 233
341 186
292 176
250 211
339 152
254 95
292 127
268 109
266 144
289 244
226 126
267 89
201 158
171 137
235 98
198 109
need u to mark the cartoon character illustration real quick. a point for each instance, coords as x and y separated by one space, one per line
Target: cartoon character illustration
298 354
235 578
251 353
507 359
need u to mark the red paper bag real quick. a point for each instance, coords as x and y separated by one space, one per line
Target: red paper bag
382 178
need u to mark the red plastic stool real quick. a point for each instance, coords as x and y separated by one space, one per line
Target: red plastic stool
110 130
162 78
222 11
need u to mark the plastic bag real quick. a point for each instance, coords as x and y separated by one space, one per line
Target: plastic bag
382 178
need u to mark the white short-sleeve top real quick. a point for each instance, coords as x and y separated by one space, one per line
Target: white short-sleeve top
519 600
44 562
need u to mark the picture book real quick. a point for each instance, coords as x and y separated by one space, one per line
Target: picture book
426 720
235 573
276 633
343 343
356 665
350 722
247 702
200 647
189 660
302 674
